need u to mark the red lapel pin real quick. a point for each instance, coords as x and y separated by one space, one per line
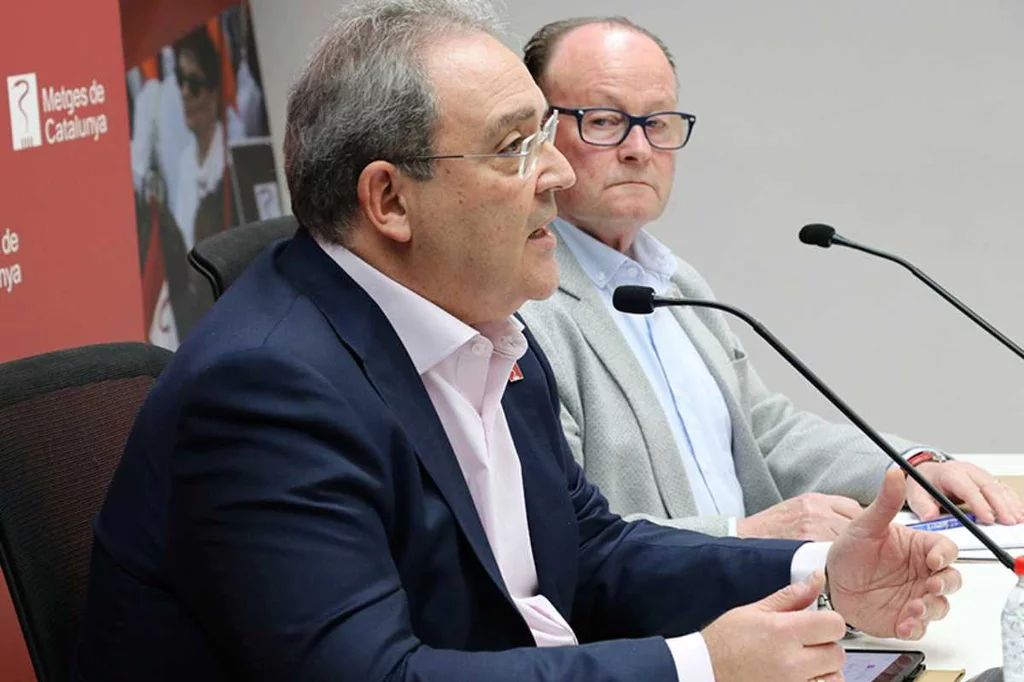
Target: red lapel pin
516 374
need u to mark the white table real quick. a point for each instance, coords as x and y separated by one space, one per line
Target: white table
970 636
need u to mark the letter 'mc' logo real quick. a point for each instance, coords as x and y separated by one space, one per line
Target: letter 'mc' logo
23 98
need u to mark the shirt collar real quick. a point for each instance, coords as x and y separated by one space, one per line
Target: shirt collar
210 172
429 333
602 263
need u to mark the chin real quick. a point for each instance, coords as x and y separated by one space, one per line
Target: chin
541 289
645 213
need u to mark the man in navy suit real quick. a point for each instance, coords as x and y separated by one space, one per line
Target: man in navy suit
354 468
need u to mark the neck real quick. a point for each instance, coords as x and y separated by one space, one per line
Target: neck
619 236
398 263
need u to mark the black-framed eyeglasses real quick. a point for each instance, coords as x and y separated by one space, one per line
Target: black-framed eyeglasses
606 127
192 83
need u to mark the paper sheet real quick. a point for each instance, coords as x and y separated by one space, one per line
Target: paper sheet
1007 537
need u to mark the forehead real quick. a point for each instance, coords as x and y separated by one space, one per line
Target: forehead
599 62
480 83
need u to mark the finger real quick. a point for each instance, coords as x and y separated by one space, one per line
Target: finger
962 486
813 628
942 553
833 677
795 597
910 629
876 519
935 608
944 582
926 609
1007 501
823 660
844 506
995 494
1015 502
921 503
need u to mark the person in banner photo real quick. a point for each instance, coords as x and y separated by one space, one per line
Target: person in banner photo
191 105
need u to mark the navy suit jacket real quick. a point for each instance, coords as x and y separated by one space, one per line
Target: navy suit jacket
288 507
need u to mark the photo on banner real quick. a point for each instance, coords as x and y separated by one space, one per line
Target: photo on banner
202 161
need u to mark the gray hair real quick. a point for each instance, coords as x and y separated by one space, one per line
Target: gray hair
542 44
364 95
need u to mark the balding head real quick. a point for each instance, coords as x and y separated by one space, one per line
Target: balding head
608 64
542 44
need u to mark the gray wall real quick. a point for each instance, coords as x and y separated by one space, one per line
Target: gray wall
900 122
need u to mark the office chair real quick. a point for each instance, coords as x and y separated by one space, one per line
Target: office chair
222 257
64 419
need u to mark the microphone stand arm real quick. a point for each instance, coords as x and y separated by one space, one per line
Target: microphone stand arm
762 331
937 288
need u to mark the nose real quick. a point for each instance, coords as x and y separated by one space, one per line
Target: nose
553 170
635 148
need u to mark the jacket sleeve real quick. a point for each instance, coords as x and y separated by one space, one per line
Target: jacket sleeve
278 544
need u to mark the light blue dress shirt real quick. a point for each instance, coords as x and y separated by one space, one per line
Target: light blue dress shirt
688 394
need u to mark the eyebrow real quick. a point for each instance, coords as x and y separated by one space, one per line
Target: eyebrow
510 118
651 105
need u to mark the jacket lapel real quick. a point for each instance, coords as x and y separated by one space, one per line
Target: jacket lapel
753 474
364 329
546 501
604 336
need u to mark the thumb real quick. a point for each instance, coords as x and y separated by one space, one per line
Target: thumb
890 500
795 597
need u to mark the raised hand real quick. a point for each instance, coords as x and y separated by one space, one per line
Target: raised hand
888 580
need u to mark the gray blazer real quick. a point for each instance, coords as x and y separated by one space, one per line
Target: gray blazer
619 433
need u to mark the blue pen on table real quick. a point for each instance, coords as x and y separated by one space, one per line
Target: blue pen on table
940 524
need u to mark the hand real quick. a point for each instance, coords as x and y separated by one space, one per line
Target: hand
811 516
886 579
990 500
775 640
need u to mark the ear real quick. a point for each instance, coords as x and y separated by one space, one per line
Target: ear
381 200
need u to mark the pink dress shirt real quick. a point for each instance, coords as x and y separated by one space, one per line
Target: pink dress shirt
465 371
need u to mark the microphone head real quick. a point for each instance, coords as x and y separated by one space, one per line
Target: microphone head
817 234
633 299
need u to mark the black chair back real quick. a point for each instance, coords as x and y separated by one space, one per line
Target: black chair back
222 257
64 420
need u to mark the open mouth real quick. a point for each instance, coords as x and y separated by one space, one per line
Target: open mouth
543 232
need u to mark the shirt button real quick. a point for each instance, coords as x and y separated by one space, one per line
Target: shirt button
634 272
480 347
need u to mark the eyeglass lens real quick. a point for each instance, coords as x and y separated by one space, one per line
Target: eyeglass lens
528 163
610 127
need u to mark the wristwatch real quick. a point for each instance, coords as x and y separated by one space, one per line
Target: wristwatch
921 456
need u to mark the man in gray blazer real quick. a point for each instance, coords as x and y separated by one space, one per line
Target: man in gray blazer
665 412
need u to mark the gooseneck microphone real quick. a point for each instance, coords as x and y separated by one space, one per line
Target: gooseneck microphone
640 300
825 236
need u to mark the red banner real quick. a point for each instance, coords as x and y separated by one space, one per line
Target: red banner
69 264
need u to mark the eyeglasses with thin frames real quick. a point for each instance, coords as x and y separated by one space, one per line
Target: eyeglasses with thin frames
528 152
605 127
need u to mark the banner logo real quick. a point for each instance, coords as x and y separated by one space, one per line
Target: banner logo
23 98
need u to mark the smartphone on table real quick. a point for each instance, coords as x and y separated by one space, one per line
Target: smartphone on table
882 665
